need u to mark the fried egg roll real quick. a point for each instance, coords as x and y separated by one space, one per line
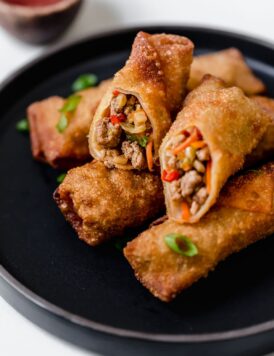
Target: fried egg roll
170 257
265 149
207 143
228 65
69 148
101 203
135 113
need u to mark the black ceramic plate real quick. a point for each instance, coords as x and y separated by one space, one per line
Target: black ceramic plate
90 296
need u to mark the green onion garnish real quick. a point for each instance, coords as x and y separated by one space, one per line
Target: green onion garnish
84 81
71 103
181 244
22 125
61 177
62 123
69 106
141 140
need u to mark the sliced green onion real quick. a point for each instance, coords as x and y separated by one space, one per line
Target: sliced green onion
22 125
131 138
69 106
61 177
62 123
71 103
84 81
142 140
181 244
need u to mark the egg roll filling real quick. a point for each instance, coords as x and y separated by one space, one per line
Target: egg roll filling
187 169
125 133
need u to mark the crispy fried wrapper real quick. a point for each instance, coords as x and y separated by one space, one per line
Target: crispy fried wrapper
156 75
244 214
102 203
228 65
231 126
70 148
265 149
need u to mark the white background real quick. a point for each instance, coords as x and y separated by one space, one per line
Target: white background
18 336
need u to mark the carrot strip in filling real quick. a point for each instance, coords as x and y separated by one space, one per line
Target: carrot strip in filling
187 171
149 155
208 176
198 144
192 138
185 211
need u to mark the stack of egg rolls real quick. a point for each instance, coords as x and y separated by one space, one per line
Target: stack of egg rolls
101 203
140 102
66 149
218 131
243 215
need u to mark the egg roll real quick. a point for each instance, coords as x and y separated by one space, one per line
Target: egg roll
265 149
69 148
243 215
101 203
135 113
208 142
229 65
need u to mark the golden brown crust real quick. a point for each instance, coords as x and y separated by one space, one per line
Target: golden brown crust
70 148
102 203
175 54
42 117
223 231
266 103
228 65
248 193
152 59
231 124
265 149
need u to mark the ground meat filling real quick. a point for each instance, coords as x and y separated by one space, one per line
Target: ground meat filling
108 135
126 131
187 170
133 152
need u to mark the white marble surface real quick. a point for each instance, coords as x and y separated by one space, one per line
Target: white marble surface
18 335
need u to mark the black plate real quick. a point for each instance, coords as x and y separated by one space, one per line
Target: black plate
90 296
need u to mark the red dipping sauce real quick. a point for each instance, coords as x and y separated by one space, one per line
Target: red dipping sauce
32 2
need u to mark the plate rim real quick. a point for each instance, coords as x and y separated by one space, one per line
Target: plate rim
125 333
100 327
124 29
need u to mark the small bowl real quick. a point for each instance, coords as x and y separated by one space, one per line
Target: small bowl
38 24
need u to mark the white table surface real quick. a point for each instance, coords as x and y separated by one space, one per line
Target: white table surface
18 336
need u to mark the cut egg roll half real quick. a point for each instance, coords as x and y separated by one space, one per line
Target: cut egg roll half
136 112
217 128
